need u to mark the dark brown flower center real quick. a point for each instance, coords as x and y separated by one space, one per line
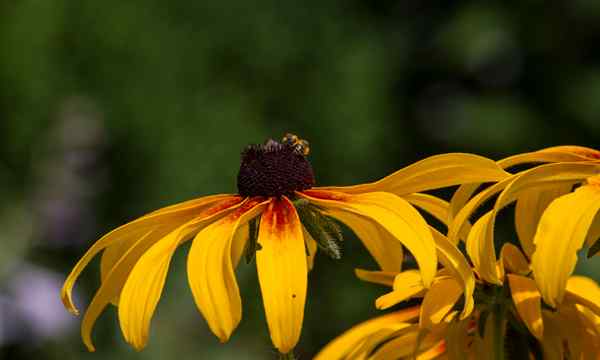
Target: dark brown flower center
275 168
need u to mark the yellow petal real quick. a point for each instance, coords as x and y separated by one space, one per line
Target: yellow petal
585 291
172 216
512 188
111 286
438 302
406 285
561 233
366 347
527 300
433 173
582 341
434 352
282 272
345 343
210 270
461 220
455 262
406 346
143 287
437 207
140 227
376 277
480 247
513 259
529 209
385 249
238 243
393 213
548 155
567 153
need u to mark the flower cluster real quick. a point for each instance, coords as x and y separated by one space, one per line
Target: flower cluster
526 303
473 305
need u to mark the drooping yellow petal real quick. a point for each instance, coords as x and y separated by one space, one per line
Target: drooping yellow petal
437 207
171 216
459 267
143 287
111 286
434 172
385 249
210 270
480 247
529 209
527 300
513 259
140 227
345 343
406 285
561 233
394 214
376 277
282 272
512 188
461 219
438 302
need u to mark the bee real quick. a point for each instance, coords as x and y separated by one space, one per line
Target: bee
300 146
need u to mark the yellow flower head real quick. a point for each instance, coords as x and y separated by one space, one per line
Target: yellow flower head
508 319
280 218
524 302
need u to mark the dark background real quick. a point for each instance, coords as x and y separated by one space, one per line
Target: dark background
110 109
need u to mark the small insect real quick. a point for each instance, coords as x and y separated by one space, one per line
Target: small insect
301 146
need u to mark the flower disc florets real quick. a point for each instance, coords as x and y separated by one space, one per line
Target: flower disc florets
275 168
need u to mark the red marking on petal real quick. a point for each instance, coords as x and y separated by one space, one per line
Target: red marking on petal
589 153
326 195
279 215
222 205
594 181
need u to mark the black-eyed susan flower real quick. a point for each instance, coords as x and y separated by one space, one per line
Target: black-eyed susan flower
556 214
279 218
507 321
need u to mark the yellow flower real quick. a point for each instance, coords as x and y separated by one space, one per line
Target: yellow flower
280 218
509 318
553 221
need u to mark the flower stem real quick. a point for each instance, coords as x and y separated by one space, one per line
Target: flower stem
288 356
498 331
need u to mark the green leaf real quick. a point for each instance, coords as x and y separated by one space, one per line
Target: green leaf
324 229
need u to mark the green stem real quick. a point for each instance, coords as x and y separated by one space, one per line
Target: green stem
288 356
498 331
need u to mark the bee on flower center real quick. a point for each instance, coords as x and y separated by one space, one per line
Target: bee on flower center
275 168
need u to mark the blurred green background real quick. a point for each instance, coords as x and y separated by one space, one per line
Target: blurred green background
111 109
